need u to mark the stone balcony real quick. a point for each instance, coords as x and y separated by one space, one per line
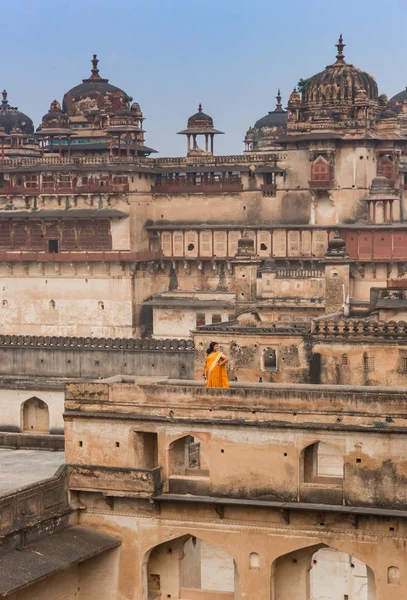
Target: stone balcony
115 481
269 189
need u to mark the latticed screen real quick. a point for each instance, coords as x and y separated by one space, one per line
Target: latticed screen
368 363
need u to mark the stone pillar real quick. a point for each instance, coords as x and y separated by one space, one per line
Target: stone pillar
246 263
336 276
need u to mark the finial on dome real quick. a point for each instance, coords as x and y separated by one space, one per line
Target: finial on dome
4 94
95 70
279 106
200 107
340 45
55 105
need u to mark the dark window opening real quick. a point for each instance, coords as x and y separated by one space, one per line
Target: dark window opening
200 319
53 246
191 247
270 359
263 247
216 318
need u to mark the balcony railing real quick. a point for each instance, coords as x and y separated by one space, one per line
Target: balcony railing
63 189
255 157
268 189
140 483
202 188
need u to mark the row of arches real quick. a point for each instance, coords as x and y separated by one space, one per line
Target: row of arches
190 568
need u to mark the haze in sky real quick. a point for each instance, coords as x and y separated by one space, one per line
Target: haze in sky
169 55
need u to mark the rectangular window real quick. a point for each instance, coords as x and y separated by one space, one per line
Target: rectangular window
200 319
64 179
53 246
31 182
344 360
405 365
216 318
368 364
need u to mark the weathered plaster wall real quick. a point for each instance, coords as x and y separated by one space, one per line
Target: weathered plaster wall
362 362
11 407
246 353
82 305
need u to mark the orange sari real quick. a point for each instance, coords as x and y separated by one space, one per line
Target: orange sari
216 376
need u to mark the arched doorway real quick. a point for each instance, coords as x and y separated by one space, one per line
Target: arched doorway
189 568
321 573
35 416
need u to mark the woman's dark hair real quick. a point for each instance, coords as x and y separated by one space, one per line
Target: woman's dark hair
211 347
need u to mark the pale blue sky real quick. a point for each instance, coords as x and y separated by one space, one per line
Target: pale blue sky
231 55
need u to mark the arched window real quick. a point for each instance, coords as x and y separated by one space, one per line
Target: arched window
186 457
35 416
4 304
188 468
393 575
52 304
254 560
320 170
101 305
322 463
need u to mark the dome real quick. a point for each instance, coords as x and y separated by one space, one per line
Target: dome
336 247
380 186
275 118
388 114
13 119
400 97
55 118
136 110
94 94
294 98
338 86
200 119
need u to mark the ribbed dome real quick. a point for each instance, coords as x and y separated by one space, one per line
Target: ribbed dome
55 118
200 119
338 84
94 93
11 118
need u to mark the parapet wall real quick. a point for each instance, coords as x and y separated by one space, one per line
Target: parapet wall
25 512
355 328
95 357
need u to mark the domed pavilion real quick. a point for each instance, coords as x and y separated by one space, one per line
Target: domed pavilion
267 130
341 96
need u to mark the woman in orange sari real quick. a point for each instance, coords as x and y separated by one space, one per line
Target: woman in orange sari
215 367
